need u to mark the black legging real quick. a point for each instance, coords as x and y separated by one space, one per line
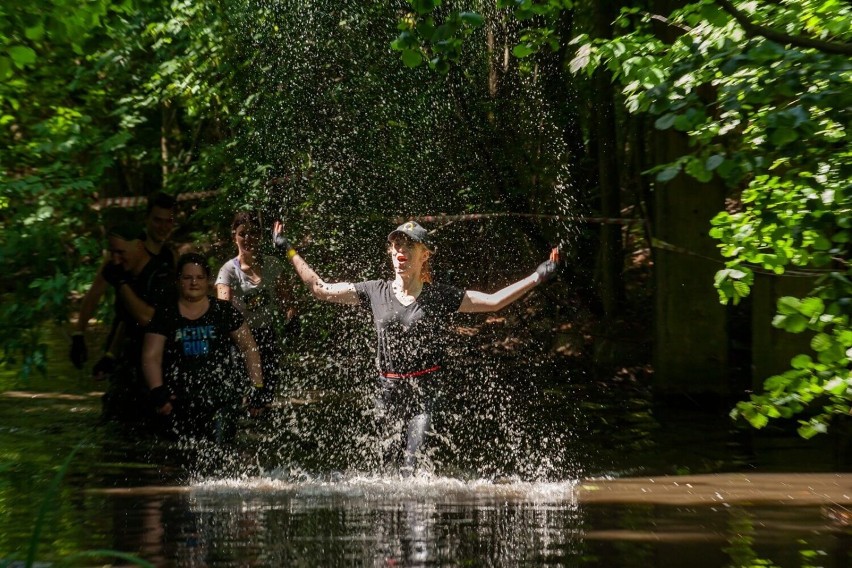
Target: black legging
269 348
411 402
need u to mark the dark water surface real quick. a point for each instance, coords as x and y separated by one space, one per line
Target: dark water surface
638 486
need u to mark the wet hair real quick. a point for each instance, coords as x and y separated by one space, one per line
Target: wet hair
426 271
161 200
192 258
126 232
245 218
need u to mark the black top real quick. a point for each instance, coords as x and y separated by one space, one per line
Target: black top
410 338
155 286
197 352
166 256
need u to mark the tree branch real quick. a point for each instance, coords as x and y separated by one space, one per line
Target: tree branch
667 21
799 41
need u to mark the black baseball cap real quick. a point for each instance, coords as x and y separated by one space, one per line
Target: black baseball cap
414 231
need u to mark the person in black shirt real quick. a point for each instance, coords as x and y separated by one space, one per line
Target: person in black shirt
186 356
409 313
141 283
159 224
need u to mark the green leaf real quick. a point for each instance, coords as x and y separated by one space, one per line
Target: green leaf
836 386
811 306
411 58
741 288
788 305
669 173
34 33
522 50
424 6
783 136
811 429
758 420
426 28
695 168
582 59
714 15
665 122
793 323
821 342
5 68
472 19
801 361
714 162
832 355
444 32
22 55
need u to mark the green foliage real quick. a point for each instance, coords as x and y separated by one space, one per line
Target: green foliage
423 37
540 18
823 378
771 121
55 152
88 112
29 30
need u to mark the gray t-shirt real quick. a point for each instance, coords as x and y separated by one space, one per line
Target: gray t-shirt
257 302
410 338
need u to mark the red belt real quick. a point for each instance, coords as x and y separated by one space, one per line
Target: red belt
410 375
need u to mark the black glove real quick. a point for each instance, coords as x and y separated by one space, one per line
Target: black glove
160 396
260 397
105 366
279 241
79 354
114 274
547 269
293 327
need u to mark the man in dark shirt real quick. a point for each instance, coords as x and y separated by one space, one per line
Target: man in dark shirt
159 224
142 283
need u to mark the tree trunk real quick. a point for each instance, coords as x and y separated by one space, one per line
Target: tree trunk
691 343
169 140
611 253
690 325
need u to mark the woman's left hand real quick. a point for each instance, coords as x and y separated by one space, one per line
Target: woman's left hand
279 240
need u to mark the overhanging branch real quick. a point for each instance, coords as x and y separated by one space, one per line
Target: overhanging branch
800 41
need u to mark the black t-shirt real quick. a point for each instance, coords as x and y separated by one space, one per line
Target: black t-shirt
166 256
155 286
410 338
197 353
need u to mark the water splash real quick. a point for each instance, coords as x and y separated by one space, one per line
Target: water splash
339 138
297 484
